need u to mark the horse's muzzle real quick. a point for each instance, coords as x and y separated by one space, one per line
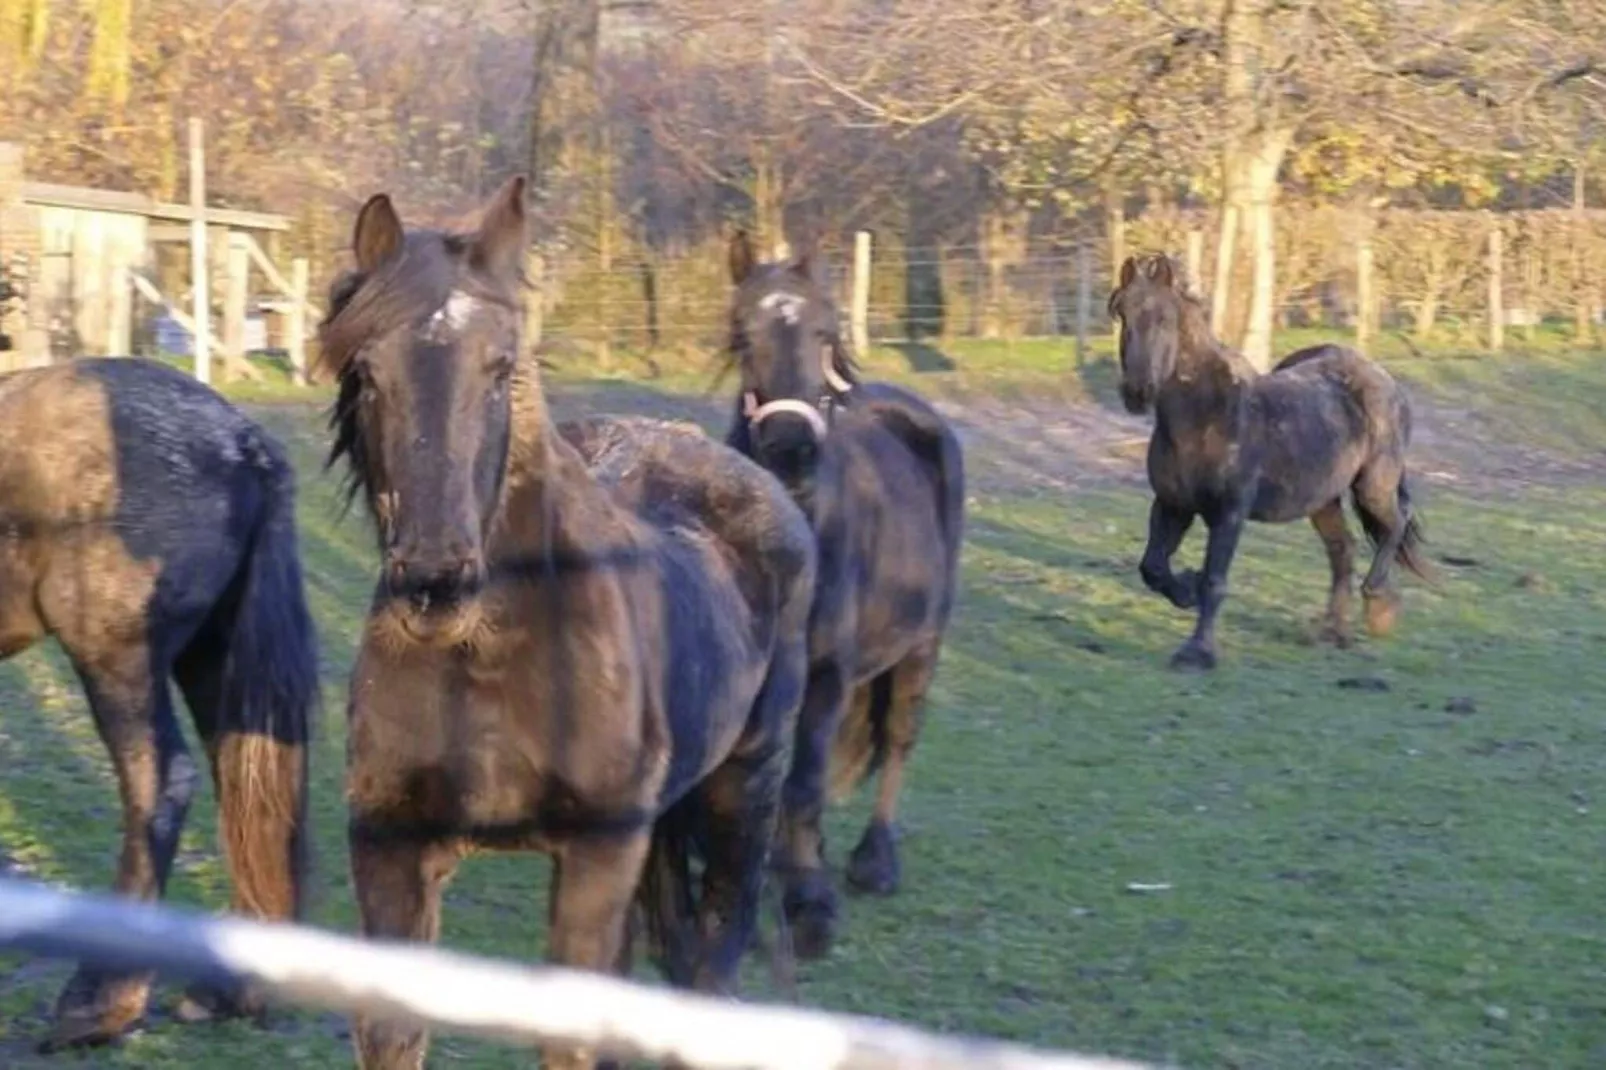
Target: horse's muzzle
435 584
1136 399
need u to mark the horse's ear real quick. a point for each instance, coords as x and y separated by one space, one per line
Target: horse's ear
1160 271
378 233
504 231
741 257
1129 271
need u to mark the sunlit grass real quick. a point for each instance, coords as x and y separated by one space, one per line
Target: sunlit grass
1403 876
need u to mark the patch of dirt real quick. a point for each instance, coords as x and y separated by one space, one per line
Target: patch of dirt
1023 446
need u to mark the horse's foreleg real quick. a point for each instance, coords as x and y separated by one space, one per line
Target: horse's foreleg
593 888
1329 524
399 886
156 778
1167 527
810 901
1199 652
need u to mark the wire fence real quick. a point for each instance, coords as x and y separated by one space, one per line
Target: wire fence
1458 277
457 993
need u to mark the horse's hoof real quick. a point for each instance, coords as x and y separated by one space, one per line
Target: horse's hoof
1382 610
1186 590
1193 657
811 916
207 1003
873 867
1338 635
93 1011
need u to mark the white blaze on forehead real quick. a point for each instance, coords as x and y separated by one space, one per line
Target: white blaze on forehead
789 305
454 314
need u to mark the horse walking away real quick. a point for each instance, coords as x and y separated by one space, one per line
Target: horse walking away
1231 445
586 640
881 477
148 525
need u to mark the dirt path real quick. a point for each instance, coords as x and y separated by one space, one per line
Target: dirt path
1060 444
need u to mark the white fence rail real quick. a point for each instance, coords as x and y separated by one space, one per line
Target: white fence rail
459 994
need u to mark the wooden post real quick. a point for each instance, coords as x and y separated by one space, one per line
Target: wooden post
1115 222
1365 298
296 321
1196 260
1084 298
235 296
1580 243
1497 307
534 300
859 312
199 290
120 310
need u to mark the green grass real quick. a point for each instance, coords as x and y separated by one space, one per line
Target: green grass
1359 878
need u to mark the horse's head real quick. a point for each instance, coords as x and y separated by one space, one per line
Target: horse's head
785 337
424 339
1151 304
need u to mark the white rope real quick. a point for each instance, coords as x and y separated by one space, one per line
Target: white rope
457 993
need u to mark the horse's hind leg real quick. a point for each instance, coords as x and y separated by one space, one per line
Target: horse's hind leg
156 779
1386 519
1329 524
874 866
740 803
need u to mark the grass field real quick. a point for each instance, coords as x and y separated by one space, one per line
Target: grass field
1387 857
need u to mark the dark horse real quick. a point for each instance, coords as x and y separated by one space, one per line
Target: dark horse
585 640
881 477
149 526
1230 445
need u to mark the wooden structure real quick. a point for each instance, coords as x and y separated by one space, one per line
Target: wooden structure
93 271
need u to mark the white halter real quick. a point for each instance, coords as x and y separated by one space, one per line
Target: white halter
757 413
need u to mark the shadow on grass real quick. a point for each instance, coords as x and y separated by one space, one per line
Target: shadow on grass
924 359
1101 382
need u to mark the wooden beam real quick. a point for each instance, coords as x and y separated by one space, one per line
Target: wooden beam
201 332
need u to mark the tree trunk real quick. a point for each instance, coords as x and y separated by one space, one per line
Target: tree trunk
769 204
1244 303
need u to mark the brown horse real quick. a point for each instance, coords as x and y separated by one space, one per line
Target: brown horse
149 526
586 640
1230 445
881 476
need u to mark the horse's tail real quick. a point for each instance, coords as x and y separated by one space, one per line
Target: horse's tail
666 895
1410 554
268 696
861 744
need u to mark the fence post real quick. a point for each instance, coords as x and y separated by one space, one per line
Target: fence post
534 299
1497 307
1196 260
1084 298
859 313
235 297
1580 232
1365 298
120 310
201 300
296 320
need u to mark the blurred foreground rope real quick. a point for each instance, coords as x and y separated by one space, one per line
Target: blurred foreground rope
460 994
